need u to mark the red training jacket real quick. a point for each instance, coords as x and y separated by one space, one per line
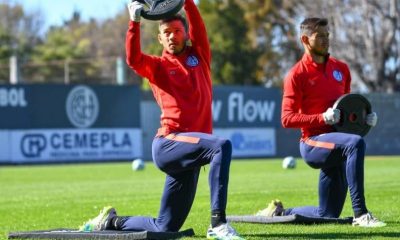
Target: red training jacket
309 90
181 84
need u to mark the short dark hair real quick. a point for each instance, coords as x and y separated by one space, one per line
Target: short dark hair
177 17
310 25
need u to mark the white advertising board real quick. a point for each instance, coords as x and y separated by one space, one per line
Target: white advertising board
70 144
250 142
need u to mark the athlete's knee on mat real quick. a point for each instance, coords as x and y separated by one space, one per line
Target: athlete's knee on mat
330 215
169 227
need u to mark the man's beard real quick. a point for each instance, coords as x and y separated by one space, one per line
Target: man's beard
177 51
322 53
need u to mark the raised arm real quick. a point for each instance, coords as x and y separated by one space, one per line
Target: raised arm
197 29
143 64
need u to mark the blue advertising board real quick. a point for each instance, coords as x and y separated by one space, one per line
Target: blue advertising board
249 117
52 123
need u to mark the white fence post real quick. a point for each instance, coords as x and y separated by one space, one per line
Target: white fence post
66 72
120 71
14 70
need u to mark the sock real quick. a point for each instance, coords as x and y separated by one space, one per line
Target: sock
217 218
359 213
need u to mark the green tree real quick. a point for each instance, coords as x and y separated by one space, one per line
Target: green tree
366 34
234 59
110 40
273 33
65 48
18 34
370 32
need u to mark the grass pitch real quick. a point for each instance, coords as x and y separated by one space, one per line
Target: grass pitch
64 196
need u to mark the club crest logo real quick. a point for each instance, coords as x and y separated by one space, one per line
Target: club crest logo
192 61
337 75
82 106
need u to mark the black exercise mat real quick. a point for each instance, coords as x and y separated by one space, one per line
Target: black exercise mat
74 234
288 219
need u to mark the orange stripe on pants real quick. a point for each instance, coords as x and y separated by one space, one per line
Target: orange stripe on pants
186 139
327 145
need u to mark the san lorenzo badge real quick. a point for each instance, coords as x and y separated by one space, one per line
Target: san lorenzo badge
192 61
337 75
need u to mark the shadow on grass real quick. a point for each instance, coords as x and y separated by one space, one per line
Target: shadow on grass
368 235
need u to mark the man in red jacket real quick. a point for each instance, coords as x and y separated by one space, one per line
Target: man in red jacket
181 83
310 90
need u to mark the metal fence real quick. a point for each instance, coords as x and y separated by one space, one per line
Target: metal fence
105 70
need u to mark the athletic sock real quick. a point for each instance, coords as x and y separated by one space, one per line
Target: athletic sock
359 213
217 218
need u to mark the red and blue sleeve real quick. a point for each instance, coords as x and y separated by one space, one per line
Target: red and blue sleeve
197 30
291 116
142 64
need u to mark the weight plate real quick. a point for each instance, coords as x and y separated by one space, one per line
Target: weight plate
353 111
160 9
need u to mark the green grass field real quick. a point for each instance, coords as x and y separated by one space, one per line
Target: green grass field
64 196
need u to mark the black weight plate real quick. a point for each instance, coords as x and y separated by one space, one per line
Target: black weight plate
353 111
160 9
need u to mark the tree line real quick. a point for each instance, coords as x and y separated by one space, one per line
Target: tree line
253 42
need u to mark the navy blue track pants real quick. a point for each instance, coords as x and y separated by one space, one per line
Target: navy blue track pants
340 156
180 156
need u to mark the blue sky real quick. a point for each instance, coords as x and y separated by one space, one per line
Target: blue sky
56 11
